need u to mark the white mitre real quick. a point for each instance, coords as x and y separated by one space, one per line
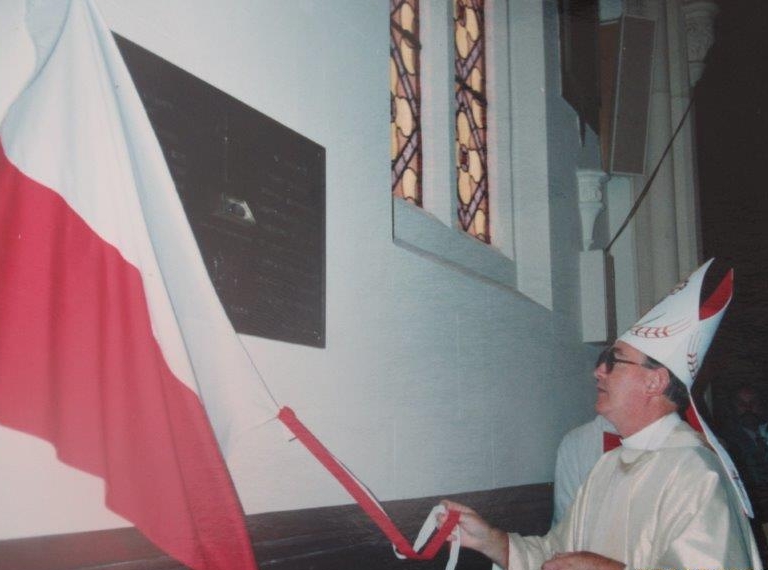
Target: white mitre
677 332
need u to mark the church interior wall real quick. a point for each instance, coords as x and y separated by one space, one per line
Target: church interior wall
432 381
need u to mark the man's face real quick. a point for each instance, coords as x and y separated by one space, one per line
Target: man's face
620 391
749 408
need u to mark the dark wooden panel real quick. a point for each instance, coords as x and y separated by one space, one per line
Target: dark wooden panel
254 193
632 95
609 53
579 66
327 538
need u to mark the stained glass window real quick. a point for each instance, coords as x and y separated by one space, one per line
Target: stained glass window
471 106
405 99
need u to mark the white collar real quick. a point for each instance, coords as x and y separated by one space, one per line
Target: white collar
652 436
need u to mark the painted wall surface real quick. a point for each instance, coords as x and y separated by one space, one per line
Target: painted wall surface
432 381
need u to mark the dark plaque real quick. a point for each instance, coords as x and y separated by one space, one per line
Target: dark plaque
254 193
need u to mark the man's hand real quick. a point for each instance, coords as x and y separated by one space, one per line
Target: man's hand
581 561
477 534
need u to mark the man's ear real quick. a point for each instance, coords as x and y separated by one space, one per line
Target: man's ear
657 382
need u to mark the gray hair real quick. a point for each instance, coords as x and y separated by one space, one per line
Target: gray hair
676 392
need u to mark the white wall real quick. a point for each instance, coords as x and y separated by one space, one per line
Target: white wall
432 381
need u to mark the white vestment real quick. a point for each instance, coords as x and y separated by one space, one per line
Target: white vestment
668 505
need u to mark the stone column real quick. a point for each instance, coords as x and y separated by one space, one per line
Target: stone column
700 34
590 184
656 229
595 326
699 21
689 34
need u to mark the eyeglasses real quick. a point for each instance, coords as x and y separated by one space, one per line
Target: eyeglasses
608 357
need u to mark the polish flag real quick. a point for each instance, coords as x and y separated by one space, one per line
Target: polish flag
113 345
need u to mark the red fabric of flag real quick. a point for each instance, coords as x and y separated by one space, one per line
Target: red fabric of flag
93 358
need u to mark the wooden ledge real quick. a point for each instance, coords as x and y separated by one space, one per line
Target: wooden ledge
325 538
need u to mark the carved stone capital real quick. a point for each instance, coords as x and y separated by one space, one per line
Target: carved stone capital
590 184
700 34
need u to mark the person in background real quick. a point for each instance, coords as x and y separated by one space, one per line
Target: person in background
663 499
745 433
577 454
